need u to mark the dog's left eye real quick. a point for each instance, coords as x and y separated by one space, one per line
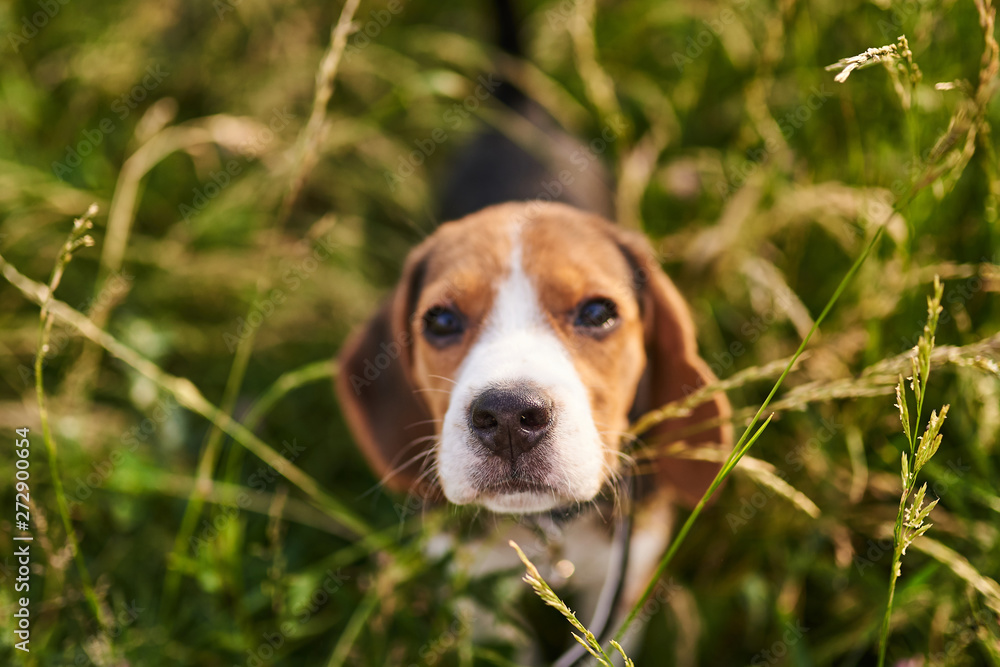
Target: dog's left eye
597 314
441 324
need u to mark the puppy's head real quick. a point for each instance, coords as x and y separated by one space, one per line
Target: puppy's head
506 364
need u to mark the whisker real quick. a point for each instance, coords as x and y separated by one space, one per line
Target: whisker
424 421
395 471
592 504
613 481
442 391
418 456
413 443
441 377
630 438
628 462
394 468
432 470
597 508
428 470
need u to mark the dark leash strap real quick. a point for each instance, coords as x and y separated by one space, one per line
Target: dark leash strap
614 581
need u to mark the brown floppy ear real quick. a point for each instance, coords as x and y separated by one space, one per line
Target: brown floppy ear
388 419
674 370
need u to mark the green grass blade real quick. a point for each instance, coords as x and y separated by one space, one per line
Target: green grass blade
739 450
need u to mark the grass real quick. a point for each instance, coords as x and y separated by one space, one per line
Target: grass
212 508
544 591
78 238
910 520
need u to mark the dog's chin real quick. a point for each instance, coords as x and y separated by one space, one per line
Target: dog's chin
520 497
522 502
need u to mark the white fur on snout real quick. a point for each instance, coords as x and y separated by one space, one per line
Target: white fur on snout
517 345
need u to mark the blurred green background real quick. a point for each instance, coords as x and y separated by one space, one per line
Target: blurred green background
756 176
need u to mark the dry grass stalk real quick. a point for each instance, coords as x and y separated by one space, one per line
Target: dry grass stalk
309 142
188 395
78 238
549 597
898 53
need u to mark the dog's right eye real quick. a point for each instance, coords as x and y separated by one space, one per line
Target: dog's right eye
442 325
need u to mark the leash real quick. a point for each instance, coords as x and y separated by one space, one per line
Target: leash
614 582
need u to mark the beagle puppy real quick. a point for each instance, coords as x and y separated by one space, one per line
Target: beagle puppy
505 367
502 372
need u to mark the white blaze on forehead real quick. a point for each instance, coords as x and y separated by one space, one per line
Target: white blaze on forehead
517 344
516 309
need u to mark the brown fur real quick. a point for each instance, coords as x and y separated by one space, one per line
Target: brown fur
650 359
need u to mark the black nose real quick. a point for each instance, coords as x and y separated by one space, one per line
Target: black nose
510 421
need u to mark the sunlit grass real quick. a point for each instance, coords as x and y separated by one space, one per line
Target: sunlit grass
759 179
